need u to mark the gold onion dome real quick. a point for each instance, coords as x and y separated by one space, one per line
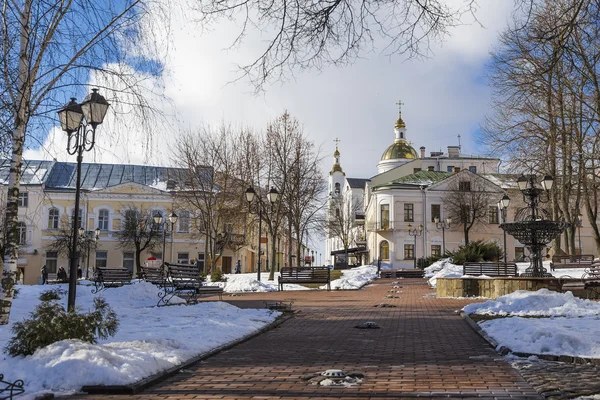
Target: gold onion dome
399 149
400 123
337 153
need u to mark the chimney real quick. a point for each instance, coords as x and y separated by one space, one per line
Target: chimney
436 154
453 151
422 152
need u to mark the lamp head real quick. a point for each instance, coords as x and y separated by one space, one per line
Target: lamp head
273 195
97 232
173 218
421 228
94 108
70 116
449 220
436 220
158 218
81 231
522 182
505 201
547 182
250 194
409 227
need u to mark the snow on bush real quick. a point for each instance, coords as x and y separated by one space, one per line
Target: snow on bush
354 278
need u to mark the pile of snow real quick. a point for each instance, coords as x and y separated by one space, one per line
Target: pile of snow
354 278
149 338
571 326
541 303
443 269
436 267
237 283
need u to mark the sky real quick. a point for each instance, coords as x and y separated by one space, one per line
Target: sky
444 96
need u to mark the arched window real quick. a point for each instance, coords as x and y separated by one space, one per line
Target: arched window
53 218
337 188
384 250
103 220
22 232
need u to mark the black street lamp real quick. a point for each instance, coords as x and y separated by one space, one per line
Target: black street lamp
443 225
415 232
250 195
80 122
158 220
503 206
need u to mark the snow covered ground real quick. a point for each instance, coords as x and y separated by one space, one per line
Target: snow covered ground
563 324
149 339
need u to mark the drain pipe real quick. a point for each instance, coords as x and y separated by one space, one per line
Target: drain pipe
424 212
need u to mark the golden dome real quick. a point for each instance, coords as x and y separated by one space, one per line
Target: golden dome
399 149
400 123
337 153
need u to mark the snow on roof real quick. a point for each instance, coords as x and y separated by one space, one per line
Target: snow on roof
34 172
505 181
421 178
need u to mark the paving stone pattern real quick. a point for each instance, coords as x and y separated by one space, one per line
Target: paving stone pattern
423 349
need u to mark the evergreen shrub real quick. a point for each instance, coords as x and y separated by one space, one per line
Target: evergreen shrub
50 323
476 251
217 276
52 294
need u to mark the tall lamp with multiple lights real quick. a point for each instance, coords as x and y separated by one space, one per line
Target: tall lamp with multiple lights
503 206
443 225
257 209
158 220
415 232
80 122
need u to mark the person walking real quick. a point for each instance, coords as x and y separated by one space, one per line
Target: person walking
44 275
238 267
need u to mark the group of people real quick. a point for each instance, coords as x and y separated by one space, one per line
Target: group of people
61 274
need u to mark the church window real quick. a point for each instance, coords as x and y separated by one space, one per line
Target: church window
409 212
493 214
436 250
384 250
431 168
435 212
473 169
337 188
450 168
409 251
385 216
53 218
464 186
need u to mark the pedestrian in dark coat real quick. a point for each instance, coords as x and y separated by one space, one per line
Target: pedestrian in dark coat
44 275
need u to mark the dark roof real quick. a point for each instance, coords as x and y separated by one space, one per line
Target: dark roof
356 183
34 172
101 176
421 178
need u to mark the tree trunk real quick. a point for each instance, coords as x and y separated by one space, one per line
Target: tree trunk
290 244
11 251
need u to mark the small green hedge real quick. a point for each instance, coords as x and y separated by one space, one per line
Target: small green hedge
476 251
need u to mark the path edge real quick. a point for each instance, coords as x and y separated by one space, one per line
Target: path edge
144 383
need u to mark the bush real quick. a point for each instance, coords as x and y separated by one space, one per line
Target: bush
476 251
52 294
426 262
50 323
217 276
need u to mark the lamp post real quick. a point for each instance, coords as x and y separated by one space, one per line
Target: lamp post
503 206
80 122
250 196
579 224
415 232
443 225
158 220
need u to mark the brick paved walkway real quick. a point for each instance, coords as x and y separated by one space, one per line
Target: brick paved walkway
423 349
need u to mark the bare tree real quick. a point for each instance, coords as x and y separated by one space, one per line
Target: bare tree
138 232
49 48
315 34
212 161
341 222
466 202
62 243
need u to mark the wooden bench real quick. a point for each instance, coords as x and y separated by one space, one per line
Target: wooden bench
490 269
153 274
572 261
301 275
110 277
589 282
185 280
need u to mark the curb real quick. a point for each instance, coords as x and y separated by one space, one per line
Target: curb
138 386
503 350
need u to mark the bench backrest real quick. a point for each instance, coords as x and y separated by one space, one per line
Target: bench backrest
184 272
490 269
113 274
574 259
305 272
152 273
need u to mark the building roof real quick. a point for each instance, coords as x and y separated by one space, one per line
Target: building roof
356 183
421 178
34 172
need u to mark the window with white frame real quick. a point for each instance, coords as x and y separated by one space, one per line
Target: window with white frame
183 258
101 259
23 199
22 230
103 218
53 218
79 217
51 261
184 221
128 260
